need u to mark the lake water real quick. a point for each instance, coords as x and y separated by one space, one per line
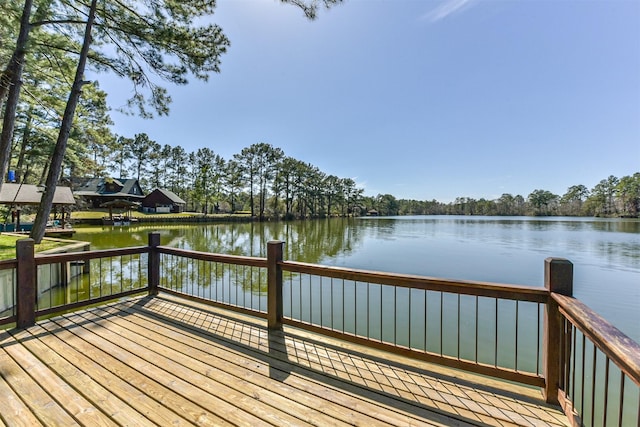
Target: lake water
605 252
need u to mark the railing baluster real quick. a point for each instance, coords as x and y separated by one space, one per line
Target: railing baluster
300 298
477 328
573 369
395 323
593 386
606 392
291 295
441 323
235 284
368 310
355 308
216 290
538 339
320 303
516 352
426 316
621 407
495 349
409 321
110 275
381 311
582 371
310 301
100 275
14 283
210 281
51 274
458 326
121 275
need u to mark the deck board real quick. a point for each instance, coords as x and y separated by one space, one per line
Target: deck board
275 394
296 392
14 411
303 380
41 404
103 391
168 361
66 396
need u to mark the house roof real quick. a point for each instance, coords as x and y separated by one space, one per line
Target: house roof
169 195
97 187
27 194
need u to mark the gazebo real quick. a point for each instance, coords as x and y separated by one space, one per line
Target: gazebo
18 195
125 205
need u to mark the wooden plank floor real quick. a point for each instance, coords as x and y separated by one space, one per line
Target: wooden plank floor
166 361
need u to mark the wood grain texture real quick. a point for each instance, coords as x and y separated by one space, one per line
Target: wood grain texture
617 346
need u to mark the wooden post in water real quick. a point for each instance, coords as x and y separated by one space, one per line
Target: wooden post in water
26 283
154 263
274 284
558 278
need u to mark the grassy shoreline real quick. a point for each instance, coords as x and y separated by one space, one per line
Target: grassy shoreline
8 245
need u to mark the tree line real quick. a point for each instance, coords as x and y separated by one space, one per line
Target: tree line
262 180
611 197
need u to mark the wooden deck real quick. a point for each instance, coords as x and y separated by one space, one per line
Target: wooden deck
167 361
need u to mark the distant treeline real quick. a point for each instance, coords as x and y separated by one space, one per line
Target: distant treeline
611 197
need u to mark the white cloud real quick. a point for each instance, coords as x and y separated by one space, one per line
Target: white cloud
448 7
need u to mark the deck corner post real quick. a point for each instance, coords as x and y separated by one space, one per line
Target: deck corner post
26 283
154 263
558 278
274 284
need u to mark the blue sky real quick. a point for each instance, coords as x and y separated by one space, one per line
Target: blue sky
422 99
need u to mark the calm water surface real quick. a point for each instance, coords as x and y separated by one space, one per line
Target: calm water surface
605 252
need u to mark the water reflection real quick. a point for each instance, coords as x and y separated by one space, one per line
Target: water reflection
605 252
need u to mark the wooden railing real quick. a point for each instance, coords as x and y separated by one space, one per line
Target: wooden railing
49 284
599 369
539 336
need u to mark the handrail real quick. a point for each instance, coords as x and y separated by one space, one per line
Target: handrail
28 274
464 287
618 347
87 255
8 264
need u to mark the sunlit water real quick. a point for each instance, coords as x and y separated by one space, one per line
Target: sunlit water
605 252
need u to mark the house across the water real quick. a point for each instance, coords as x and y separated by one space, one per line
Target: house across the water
163 201
97 191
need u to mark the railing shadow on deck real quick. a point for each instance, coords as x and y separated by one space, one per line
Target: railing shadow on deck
539 336
288 352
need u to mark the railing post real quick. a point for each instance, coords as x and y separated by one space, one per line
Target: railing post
26 283
154 263
558 278
274 284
